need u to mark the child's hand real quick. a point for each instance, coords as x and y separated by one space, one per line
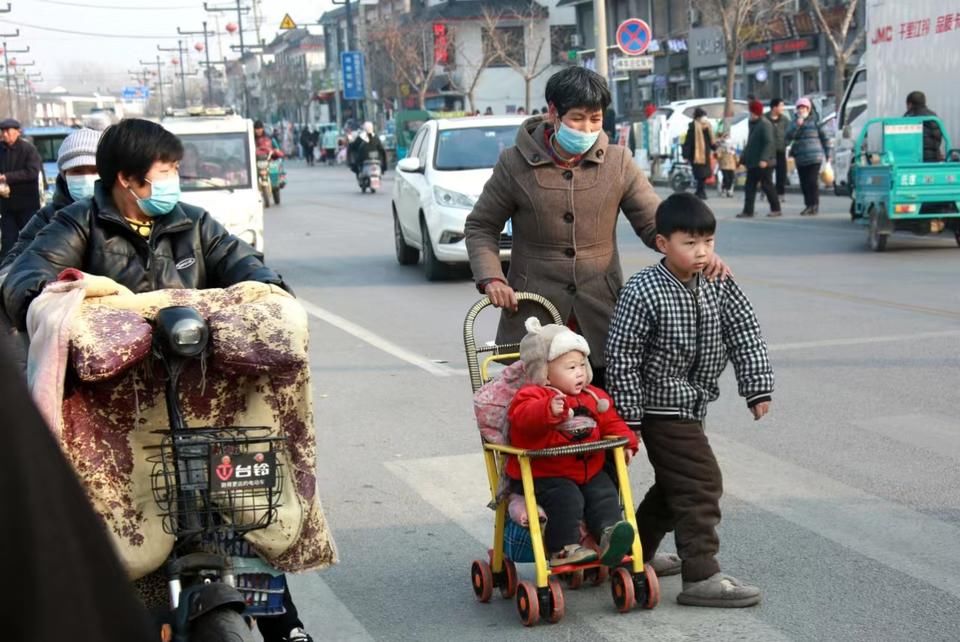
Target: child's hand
760 410
556 405
627 456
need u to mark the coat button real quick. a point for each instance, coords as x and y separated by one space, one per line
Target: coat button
536 158
568 217
570 252
599 153
572 289
568 175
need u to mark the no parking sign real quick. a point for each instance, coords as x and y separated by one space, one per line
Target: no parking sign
633 37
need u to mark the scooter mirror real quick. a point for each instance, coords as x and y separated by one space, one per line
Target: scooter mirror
181 331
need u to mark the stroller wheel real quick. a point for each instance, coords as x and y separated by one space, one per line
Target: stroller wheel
621 585
482 579
528 604
575 580
510 580
557 606
647 588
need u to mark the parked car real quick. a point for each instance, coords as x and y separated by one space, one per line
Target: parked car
438 183
679 114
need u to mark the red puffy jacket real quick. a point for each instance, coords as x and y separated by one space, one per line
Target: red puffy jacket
533 426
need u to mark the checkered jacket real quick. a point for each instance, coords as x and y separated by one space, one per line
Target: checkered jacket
669 343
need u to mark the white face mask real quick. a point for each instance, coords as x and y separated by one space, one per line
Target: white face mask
81 186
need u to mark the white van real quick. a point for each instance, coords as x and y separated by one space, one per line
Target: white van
218 171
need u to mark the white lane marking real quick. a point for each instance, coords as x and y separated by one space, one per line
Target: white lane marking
935 433
899 537
830 343
436 369
324 615
456 486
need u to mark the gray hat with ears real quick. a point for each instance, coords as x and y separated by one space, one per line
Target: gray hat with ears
544 343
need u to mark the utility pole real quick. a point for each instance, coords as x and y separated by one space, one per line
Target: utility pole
206 50
240 11
183 82
257 49
159 81
6 62
349 43
600 27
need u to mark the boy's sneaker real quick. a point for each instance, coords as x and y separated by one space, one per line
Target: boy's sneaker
665 564
616 542
719 590
298 635
572 554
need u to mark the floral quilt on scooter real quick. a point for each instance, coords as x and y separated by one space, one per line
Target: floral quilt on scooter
257 374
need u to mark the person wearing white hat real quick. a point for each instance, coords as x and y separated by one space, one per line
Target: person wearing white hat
77 162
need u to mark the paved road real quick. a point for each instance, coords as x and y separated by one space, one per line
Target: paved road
843 504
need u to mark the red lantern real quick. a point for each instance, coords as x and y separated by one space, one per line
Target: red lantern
232 27
174 61
13 62
198 46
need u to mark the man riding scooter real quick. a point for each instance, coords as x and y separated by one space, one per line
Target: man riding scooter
268 152
366 150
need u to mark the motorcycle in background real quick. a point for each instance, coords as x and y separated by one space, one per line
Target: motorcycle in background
271 177
369 176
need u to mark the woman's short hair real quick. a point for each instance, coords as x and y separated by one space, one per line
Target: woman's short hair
131 147
699 113
577 87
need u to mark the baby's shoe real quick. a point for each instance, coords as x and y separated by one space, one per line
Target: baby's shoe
720 591
572 554
615 542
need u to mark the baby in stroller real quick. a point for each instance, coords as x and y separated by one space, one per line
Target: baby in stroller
559 407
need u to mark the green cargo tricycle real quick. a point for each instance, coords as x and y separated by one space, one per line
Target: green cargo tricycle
895 190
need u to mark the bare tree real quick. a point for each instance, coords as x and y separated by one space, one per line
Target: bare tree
521 40
471 66
743 23
841 40
407 49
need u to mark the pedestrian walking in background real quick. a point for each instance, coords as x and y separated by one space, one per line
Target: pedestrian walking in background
20 168
759 156
810 149
698 147
727 158
306 141
780 123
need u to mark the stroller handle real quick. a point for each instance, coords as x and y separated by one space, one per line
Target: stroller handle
470 338
607 443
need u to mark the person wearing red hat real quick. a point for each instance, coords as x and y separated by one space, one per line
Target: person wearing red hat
759 156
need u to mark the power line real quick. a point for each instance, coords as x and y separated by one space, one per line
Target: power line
115 7
89 33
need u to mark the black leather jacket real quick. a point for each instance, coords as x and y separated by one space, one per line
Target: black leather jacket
61 198
187 249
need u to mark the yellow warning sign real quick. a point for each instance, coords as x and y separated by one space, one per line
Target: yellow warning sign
287 22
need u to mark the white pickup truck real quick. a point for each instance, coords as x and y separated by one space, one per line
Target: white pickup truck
911 46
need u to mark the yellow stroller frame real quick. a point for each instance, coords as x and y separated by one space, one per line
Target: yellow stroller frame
631 581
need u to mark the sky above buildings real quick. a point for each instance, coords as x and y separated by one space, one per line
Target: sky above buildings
84 45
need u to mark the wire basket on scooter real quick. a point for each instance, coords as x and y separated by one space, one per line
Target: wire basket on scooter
206 480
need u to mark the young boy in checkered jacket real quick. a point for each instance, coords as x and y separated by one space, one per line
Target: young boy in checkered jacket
671 336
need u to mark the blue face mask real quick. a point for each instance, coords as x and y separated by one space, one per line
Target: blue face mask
164 196
574 141
81 186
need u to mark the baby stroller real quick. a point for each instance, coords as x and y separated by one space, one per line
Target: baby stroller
631 582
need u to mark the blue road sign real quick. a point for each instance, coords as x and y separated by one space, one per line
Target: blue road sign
351 65
633 36
135 93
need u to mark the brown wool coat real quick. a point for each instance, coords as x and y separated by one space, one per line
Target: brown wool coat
564 230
